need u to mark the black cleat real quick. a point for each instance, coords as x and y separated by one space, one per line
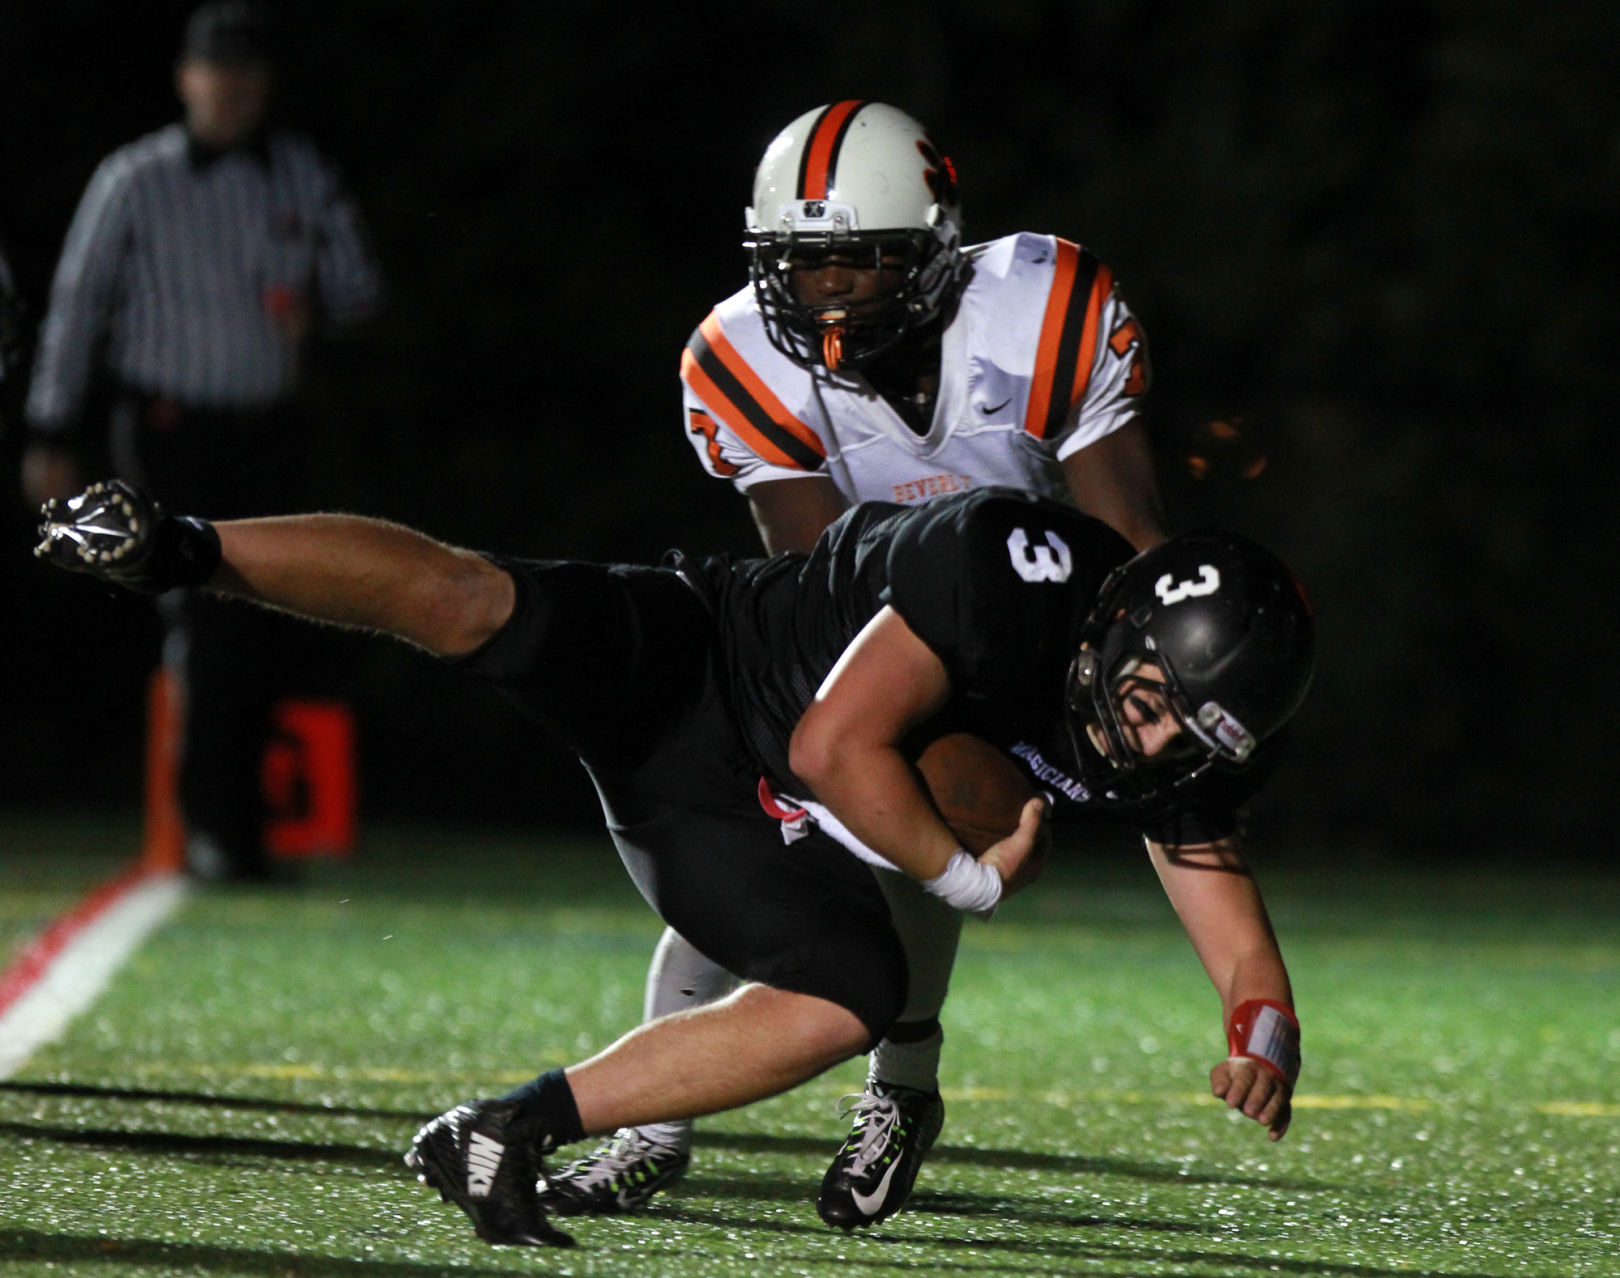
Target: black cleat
484 1159
872 1176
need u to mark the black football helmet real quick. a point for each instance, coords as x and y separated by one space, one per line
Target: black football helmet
1230 632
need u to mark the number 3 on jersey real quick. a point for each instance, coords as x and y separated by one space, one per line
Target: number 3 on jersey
1051 562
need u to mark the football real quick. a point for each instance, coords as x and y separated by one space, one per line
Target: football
977 789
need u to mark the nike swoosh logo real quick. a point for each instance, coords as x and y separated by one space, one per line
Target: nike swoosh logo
988 411
869 1204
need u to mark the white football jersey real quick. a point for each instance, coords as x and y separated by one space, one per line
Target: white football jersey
1041 358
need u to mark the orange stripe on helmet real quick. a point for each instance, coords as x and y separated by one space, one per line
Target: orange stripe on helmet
714 369
821 150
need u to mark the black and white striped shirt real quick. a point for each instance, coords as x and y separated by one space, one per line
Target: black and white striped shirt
176 269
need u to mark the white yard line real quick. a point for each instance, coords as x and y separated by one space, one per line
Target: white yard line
63 970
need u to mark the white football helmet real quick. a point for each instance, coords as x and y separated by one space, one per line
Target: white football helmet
860 179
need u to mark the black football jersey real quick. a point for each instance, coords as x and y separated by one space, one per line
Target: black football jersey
996 582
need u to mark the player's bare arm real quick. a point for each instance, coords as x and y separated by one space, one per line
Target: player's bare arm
366 573
348 570
1219 904
791 513
847 748
1112 479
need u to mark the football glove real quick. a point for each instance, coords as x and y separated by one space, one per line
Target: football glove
114 531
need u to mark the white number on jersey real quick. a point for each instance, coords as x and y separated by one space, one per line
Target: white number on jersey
1050 562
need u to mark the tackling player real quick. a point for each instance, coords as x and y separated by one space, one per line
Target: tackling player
1151 686
875 356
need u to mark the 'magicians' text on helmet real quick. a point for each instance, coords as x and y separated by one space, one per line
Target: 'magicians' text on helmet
861 181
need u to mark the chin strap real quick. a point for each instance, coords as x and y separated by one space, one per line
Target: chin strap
1267 1031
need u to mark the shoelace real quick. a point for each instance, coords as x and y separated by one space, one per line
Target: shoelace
875 1117
616 1157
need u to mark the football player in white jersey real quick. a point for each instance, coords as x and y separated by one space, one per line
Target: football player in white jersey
874 356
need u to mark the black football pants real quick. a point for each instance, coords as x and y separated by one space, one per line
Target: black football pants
624 664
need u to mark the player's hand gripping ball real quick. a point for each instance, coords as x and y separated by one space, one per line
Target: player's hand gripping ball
115 532
981 793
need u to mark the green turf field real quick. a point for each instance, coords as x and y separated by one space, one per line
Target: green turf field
238 1100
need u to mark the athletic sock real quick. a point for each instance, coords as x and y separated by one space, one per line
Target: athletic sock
548 1101
914 1060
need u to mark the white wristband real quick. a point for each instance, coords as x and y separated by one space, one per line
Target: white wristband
967 884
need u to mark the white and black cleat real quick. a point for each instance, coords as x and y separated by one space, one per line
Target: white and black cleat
872 1176
483 1158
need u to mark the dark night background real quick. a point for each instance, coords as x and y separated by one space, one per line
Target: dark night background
1378 237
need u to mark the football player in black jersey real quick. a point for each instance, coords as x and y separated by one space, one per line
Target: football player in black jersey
1153 686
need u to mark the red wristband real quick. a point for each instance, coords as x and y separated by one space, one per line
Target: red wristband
1267 1031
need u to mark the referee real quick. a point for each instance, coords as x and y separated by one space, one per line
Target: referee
199 260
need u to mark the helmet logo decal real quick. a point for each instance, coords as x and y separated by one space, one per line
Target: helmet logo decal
1051 562
815 209
1222 730
940 174
1170 591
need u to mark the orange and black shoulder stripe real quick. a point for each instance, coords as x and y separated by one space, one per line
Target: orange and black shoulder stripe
715 370
819 162
1063 360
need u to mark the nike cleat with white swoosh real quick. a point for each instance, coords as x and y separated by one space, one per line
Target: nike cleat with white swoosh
484 1158
872 1176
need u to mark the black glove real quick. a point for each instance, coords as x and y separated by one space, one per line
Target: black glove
116 532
